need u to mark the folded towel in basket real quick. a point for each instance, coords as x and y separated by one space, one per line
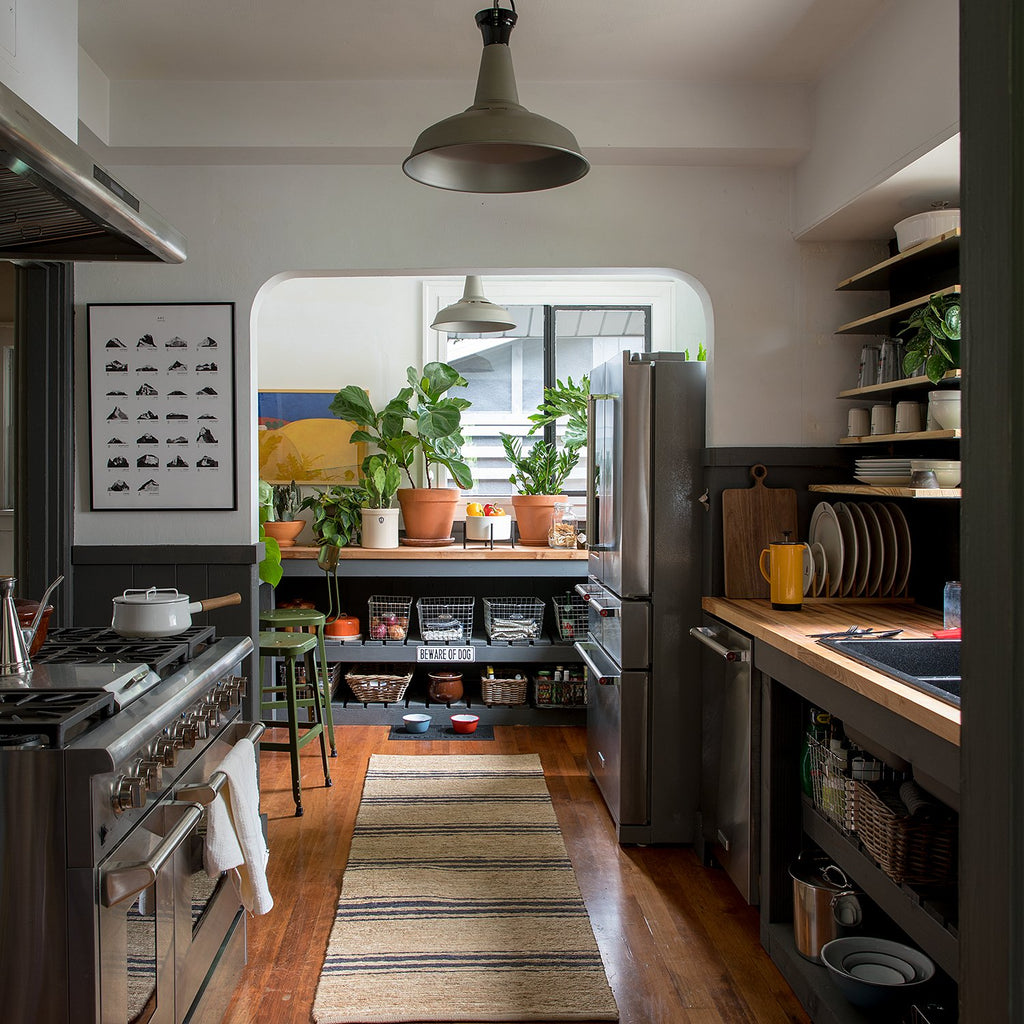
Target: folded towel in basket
234 837
514 629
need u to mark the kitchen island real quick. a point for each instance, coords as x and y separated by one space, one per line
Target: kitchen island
906 728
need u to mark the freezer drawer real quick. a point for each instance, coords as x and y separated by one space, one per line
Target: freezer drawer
621 628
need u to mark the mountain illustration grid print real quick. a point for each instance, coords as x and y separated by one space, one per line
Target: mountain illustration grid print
162 405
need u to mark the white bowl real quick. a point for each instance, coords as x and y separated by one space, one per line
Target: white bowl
914 230
479 527
944 408
947 472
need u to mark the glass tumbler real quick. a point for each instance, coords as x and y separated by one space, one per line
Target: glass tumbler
951 605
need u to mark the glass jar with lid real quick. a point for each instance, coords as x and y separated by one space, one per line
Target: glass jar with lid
564 527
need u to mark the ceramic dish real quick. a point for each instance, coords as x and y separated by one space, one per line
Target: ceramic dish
808 571
825 531
881 968
899 520
877 548
863 572
850 553
820 569
889 548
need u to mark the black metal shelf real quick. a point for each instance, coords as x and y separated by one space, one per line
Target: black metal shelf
379 652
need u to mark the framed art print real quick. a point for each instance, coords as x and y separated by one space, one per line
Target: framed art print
162 405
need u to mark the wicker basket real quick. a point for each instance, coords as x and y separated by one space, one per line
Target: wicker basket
570 616
503 691
389 618
908 849
377 687
831 785
513 619
445 620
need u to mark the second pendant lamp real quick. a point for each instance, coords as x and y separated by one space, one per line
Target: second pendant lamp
473 314
496 145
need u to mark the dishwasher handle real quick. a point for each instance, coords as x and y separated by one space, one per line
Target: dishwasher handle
707 638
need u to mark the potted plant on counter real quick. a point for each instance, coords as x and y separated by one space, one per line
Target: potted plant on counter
428 511
270 570
381 479
284 523
336 514
540 472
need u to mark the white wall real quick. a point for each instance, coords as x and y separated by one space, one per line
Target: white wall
891 97
39 57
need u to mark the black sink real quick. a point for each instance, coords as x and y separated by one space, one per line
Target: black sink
930 665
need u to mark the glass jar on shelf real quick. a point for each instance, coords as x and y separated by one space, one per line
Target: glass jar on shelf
564 527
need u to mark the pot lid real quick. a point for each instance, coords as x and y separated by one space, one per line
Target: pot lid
819 874
152 595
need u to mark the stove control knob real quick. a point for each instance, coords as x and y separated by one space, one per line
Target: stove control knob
165 750
211 709
152 772
234 692
240 683
183 734
129 793
200 725
222 695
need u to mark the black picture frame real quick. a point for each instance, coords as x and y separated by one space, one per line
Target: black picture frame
162 406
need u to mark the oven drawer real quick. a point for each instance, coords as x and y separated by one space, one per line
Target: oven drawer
620 627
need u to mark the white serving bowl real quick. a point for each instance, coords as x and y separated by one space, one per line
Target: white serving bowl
947 472
479 527
944 408
920 227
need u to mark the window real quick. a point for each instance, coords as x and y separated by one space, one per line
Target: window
507 374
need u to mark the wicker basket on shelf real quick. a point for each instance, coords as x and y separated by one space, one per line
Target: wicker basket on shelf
908 848
503 691
377 687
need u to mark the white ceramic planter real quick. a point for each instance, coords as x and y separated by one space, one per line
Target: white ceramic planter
479 527
380 527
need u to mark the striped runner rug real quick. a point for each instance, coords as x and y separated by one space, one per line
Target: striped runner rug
459 902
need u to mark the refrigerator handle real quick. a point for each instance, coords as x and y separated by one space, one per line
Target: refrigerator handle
707 638
592 536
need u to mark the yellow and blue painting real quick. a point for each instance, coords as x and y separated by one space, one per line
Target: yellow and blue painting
300 440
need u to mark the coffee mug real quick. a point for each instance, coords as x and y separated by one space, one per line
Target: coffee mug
883 419
908 417
858 423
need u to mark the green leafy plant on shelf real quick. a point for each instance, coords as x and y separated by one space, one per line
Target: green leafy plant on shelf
336 517
935 343
270 570
287 502
381 479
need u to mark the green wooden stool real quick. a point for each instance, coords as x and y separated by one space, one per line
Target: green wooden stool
290 647
278 618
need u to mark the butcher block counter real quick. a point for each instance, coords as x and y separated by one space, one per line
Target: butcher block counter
788 632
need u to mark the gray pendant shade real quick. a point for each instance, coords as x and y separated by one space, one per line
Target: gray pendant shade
496 145
473 314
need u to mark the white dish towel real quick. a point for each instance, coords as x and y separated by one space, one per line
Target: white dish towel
234 838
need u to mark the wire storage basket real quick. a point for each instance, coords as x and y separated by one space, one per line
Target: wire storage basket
568 690
513 618
510 689
831 784
389 618
445 620
386 685
570 616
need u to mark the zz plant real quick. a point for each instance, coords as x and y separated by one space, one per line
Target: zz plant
935 343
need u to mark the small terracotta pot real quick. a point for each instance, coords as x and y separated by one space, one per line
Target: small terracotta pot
428 512
445 687
284 532
535 513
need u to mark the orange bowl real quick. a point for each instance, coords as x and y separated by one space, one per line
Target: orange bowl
465 723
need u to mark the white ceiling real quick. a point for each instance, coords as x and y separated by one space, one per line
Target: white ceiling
555 40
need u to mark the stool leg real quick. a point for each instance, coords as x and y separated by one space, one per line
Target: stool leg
325 681
293 735
318 711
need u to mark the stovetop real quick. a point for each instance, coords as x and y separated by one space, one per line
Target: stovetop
55 715
90 645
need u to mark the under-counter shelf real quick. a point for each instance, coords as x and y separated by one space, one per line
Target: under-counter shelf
887 320
917 435
868 490
878 277
951 377
379 652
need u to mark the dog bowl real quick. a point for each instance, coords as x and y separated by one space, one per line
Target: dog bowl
416 723
465 723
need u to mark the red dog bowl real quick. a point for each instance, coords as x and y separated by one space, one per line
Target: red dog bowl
465 723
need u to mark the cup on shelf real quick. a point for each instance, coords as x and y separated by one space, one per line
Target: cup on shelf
908 417
868 366
890 364
858 422
883 419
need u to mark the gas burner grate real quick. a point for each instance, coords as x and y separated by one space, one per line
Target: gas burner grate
90 645
59 715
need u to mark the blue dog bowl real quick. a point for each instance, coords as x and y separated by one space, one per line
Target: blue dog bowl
416 723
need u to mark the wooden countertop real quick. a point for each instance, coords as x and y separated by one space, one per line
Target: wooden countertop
788 632
454 552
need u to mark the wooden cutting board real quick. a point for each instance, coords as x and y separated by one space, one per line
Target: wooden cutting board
752 517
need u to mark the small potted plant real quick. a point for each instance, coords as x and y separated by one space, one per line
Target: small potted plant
381 479
935 343
540 472
336 514
284 523
270 570
428 511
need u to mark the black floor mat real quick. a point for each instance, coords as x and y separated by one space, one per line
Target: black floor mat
442 732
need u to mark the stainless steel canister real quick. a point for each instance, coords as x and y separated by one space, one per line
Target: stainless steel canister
825 906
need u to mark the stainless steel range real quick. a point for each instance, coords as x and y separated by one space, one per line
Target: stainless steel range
108 754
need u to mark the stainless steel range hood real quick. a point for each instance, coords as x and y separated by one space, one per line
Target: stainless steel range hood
57 203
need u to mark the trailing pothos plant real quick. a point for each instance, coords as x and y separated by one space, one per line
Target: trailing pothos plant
436 415
935 343
270 570
336 517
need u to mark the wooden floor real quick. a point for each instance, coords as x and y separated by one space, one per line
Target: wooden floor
679 944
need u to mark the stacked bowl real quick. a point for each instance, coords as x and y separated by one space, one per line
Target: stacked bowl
874 972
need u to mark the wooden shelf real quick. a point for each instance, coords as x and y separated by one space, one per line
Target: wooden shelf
917 435
887 492
886 320
952 377
878 277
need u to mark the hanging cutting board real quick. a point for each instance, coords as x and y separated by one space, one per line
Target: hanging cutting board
752 517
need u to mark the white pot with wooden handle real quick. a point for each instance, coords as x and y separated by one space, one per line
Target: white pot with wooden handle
156 612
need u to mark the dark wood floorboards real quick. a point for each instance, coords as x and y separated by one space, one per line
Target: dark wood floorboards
679 944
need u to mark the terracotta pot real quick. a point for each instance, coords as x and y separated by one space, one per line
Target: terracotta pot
535 513
445 687
284 532
428 512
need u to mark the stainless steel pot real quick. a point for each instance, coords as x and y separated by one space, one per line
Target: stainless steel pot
156 612
825 906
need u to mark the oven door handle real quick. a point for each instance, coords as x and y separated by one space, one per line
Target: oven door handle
206 792
127 880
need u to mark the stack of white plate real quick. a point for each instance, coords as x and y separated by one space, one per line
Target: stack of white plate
882 472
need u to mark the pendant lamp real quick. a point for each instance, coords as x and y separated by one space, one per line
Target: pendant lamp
473 314
496 145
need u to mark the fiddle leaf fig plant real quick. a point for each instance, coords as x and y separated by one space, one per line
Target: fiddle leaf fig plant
935 343
381 479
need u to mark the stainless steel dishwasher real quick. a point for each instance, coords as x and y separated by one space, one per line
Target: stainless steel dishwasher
731 752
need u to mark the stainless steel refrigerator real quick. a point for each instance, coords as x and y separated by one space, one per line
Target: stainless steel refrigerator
644 525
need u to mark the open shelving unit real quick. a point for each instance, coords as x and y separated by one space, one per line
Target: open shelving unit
885 320
872 491
952 377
